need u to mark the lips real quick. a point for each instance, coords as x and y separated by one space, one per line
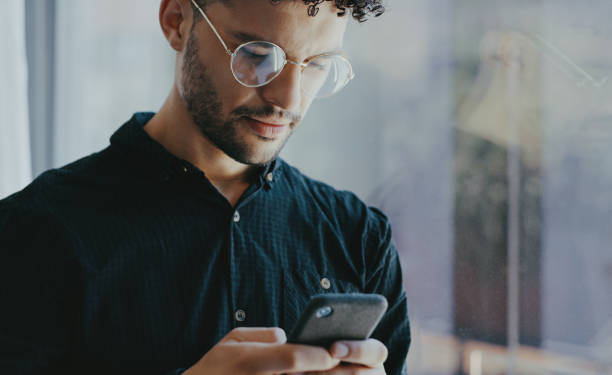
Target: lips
266 130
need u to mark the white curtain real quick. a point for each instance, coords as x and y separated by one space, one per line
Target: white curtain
109 64
15 164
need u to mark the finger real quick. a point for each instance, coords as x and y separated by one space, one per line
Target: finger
290 358
371 352
351 370
271 335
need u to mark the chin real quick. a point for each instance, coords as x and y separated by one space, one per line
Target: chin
259 151
263 159
256 156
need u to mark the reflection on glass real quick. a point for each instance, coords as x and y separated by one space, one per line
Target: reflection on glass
538 86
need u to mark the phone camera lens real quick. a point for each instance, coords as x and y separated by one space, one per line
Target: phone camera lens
324 312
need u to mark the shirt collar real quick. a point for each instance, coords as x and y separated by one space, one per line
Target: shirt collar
156 160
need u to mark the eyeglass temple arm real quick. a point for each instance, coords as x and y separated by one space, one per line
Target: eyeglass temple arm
212 27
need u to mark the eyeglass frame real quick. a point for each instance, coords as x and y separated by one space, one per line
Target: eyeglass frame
303 64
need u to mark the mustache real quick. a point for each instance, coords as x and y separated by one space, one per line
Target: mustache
266 111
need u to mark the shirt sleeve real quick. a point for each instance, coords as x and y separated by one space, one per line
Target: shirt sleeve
384 277
36 295
39 293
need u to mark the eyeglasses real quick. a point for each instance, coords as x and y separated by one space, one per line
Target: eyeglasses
257 63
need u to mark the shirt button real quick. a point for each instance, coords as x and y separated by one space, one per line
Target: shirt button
270 177
325 284
240 315
236 217
184 169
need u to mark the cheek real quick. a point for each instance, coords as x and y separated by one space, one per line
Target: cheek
233 95
230 93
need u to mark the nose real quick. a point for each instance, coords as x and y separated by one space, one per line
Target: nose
285 90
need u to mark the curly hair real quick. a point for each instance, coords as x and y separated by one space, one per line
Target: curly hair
359 9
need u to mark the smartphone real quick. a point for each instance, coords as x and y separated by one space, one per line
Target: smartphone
331 317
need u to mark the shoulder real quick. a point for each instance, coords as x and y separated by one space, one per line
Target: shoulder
29 225
323 193
57 187
343 206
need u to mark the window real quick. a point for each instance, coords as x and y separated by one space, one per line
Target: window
481 127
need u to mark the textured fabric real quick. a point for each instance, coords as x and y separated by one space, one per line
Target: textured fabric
130 261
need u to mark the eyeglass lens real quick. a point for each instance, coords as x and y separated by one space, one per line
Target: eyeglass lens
257 63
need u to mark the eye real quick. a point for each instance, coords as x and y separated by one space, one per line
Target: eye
250 53
256 51
319 65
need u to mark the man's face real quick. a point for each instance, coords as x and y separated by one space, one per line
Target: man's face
239 119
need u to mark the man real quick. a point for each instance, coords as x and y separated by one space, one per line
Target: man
187 245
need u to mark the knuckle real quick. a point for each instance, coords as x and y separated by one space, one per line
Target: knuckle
290 358
232 335
356 350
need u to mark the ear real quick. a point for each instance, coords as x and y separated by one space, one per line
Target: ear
175 17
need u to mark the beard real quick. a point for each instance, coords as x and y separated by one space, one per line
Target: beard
203 104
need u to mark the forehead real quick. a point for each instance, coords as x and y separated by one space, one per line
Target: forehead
286 24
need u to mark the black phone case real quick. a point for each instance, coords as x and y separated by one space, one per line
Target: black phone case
354 317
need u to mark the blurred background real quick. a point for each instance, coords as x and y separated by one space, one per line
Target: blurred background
481 127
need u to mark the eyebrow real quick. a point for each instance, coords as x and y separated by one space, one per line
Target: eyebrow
243 37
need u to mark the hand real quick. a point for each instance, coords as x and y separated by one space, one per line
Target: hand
358 358
262 351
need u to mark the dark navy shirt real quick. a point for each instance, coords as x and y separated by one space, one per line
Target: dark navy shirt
130 261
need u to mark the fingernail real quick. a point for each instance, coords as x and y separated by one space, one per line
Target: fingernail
340 351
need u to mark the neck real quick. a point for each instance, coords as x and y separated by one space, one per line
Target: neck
174 129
